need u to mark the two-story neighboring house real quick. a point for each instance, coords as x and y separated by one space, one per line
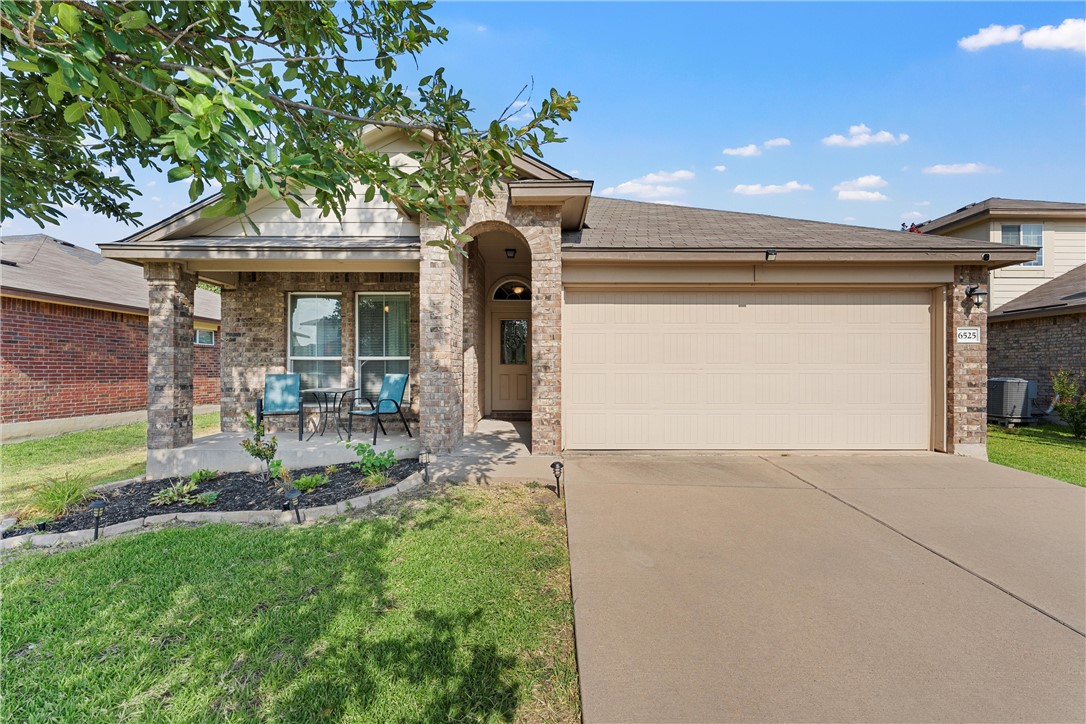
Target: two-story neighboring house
1037 323
1057 228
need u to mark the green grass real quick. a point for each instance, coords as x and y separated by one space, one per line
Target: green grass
1042 449
455 608
112 453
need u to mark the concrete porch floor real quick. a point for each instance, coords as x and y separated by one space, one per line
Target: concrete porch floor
498 451
222 451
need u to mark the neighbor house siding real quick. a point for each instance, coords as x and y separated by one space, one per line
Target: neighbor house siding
61 361
1064 249
1033 349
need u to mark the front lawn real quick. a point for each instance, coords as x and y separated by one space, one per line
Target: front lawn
112 453
1042 449
449 609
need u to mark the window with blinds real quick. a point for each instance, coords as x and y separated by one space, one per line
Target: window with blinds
384 340
315 344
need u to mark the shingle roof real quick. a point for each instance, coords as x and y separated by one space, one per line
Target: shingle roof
618 224
1065 293
40 264
1005 207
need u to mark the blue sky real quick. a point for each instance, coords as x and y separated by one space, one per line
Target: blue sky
861 113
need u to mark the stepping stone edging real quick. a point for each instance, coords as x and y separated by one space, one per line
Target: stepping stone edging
263 517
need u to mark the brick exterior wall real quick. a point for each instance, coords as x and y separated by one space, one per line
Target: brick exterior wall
60 361
475 361
254 334
1034 349
967 368
442 417
171 300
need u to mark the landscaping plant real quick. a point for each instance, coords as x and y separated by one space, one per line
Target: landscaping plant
375 480
183 491
56 496
261 449
203 476
369 460
1070 388
310 482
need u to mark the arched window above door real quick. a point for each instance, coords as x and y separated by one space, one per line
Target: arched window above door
513 290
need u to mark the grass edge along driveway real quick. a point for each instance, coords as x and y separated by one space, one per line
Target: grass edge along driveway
1043 449
450 608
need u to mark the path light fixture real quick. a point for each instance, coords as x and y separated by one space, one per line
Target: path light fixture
511 253
771 255
425 458
292 497
978 295
557 468
98 507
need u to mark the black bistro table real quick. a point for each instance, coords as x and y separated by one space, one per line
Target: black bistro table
328 400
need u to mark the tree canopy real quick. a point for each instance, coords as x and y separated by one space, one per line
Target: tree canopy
250 95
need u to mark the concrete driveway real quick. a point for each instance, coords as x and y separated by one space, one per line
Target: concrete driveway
913 587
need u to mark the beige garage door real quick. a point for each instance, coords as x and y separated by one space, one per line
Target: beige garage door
747 370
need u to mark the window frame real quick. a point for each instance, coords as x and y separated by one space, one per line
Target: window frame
290 327
196 337
1039 262
358 358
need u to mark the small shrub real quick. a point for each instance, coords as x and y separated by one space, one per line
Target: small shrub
56 496
370 461
207 498
310 482
375 481
331 470
180 492
1071 406
280 472
261 449
203 476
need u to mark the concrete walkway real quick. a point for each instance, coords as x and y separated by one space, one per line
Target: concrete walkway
915 587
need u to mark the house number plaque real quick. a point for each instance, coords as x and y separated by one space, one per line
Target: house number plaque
968 335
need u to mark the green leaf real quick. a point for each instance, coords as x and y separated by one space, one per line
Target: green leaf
113 123
197 77
292 205
180 173
24 65
183 146
139 124
134 20
252 176
370 193
75 112
68 17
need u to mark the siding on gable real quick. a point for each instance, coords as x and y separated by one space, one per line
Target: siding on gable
1064 249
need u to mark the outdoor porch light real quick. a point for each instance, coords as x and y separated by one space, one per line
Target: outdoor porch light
557 467
292 496
518 290
978 295
97 507
511 253
425 458
771 255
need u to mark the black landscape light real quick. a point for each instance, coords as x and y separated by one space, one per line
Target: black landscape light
557 467
292 497
97 507
425 458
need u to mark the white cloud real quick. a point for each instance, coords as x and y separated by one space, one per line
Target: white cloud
859 189
777 143
959 168
850 219
922 203
1068 35
151 184
480 28
861 135
748 150
760 190
911 216
156 198
652 186
721 168
992 35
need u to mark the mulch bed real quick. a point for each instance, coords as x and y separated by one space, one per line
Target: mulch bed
237 491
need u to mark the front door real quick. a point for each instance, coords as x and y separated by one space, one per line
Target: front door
510 362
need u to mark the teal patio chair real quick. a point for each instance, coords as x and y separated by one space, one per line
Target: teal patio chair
282 396
388 403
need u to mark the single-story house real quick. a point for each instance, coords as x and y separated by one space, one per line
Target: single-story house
615 325
74 332
1041 332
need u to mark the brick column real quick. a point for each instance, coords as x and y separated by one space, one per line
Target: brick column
967 368
441 354
545 240
171 300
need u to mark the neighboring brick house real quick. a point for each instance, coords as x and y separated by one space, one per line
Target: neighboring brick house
1041 332
74 339
612 324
